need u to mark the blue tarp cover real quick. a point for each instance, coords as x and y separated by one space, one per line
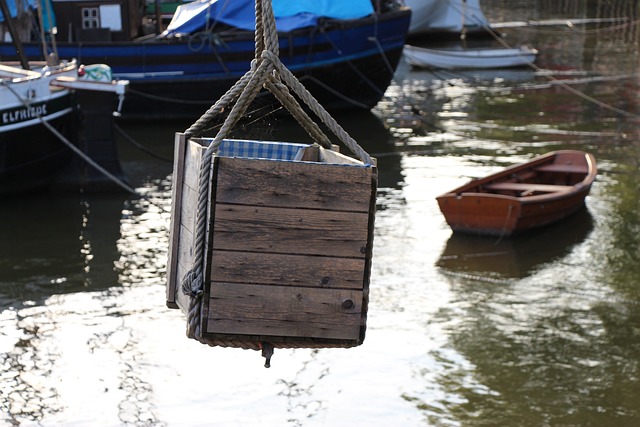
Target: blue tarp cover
13 11
290 14
48 17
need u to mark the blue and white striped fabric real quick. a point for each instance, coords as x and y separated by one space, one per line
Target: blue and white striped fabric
285 151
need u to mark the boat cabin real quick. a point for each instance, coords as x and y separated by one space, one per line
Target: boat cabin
109 20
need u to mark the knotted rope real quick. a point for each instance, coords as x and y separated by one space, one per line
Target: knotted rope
266 71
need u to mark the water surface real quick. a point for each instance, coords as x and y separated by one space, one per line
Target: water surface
462 331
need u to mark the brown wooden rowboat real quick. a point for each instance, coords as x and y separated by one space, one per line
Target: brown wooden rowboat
521 197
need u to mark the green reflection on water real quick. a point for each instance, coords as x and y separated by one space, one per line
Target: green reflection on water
540 335
623 224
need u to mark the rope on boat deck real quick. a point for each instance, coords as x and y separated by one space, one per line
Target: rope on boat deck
266 71
88 159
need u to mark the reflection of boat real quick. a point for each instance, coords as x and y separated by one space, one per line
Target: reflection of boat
76 249
446 16
516 257
30 154
344 60
453 59
521 197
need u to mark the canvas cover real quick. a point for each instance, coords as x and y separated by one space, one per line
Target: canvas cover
13 10
48 17
290 15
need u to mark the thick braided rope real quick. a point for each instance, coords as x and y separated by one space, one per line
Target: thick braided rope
299 89
256 345
193 283
283 95
220 105
267 27
271 51
259 34
244 101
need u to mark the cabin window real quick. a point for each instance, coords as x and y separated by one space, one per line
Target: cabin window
111 17
90 18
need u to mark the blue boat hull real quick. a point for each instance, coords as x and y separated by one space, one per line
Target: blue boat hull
344 64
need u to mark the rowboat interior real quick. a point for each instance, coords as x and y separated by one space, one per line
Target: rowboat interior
554 174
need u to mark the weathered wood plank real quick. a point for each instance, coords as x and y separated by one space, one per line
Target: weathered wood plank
293 184
182 300
287 270
188 208
193 159
185 252
187 160
184 265
290 231
334 157
174 227
284 311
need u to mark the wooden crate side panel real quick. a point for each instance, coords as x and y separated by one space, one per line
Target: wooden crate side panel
185 264
290 231
188 211
369 254
284 311
287 270
193 159
293 184
186 251
176 202
188 208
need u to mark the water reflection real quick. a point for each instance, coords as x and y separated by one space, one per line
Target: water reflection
619 251
303 401
551 339
23 390
542 329
517 257
85 230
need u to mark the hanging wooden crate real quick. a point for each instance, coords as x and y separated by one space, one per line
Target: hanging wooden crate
288 244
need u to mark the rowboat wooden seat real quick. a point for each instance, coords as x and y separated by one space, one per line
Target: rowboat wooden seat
560 168
527 188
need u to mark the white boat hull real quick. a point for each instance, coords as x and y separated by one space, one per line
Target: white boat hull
452 59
